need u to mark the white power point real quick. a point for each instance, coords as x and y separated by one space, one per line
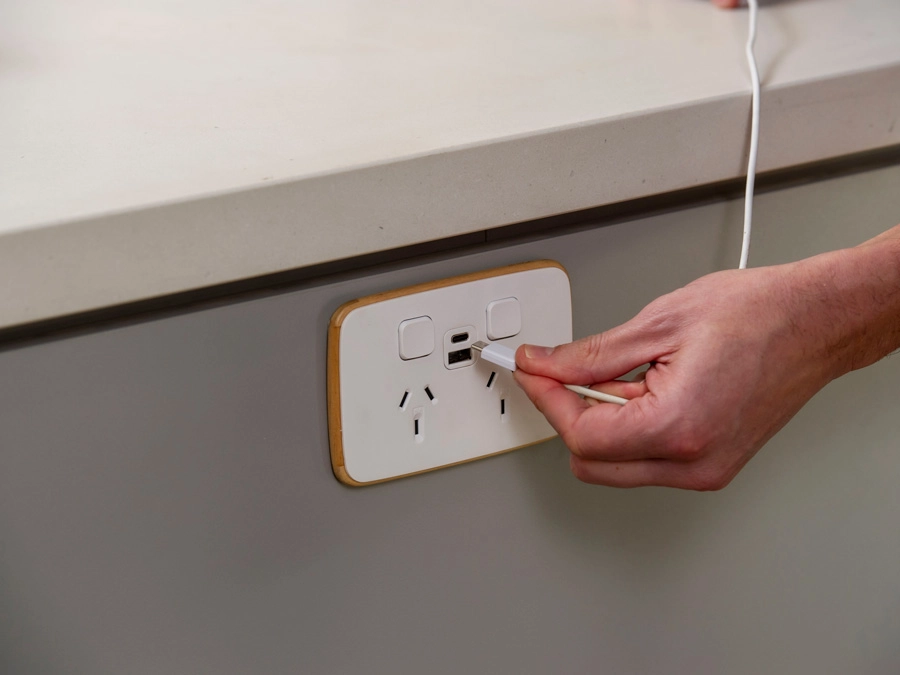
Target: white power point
406 391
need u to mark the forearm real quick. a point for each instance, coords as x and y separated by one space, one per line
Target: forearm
852 297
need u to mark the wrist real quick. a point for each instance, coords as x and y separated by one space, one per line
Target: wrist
850 300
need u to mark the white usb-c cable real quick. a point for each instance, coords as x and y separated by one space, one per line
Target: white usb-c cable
499 355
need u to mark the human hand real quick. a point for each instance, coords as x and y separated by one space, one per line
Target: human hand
727 4
734 356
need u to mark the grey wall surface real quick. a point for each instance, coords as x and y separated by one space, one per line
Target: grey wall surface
167 503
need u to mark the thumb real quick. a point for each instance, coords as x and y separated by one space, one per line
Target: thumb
598 358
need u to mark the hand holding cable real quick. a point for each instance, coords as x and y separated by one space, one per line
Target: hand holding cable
503 356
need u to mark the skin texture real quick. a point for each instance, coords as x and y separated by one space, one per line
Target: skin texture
734 355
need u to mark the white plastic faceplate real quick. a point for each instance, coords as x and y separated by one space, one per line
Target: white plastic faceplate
384 424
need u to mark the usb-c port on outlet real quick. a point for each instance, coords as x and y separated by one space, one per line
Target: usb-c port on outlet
459 337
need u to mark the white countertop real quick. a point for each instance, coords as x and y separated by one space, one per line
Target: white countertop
155 147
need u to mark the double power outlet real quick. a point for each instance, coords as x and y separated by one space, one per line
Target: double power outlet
406 391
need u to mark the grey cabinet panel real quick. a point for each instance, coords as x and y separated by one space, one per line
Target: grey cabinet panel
167 503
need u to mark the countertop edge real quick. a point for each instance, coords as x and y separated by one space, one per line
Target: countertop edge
84 265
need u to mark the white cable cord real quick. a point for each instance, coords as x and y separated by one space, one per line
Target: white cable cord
754 134
598 395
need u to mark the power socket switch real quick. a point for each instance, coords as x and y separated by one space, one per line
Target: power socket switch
416 337
504 318
406 391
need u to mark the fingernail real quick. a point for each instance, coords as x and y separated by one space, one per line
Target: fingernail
536 352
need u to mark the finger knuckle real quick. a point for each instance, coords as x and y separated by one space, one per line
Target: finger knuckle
536 399
687 445
573 443
709 479
659 313
592 350
663 318
579 469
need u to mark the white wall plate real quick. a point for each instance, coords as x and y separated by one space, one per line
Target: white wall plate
391 416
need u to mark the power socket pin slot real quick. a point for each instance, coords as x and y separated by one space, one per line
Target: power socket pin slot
418 425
